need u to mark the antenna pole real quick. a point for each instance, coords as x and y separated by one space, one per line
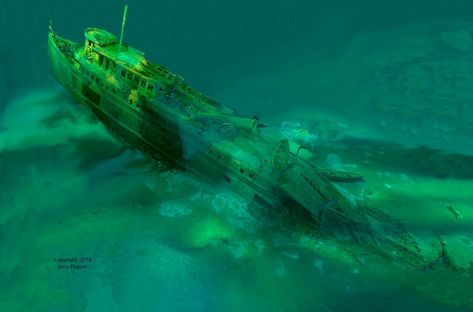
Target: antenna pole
123 27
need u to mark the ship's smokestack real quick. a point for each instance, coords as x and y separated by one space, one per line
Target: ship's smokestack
123 27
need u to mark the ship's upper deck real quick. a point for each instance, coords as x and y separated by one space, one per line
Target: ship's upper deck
132 59
130 65
100 37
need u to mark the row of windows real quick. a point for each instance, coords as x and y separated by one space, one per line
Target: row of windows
98 80
106 63
250 174
110 64
137 80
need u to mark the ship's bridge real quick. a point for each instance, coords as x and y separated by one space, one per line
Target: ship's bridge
126 63
99 38
101 46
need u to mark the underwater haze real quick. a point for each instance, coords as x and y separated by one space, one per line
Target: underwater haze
383 88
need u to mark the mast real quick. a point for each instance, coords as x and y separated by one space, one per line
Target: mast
123 27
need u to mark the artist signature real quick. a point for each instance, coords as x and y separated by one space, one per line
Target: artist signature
72 263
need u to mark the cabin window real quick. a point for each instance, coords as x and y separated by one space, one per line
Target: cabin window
150 87
107 64
242 170
143 83
123 73
100 59
130 76
227 178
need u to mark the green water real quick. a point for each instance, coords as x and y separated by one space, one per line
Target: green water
383 88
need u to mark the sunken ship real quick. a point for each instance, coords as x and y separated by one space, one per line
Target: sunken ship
156 111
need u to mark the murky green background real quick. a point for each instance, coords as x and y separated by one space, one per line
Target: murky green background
384 88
